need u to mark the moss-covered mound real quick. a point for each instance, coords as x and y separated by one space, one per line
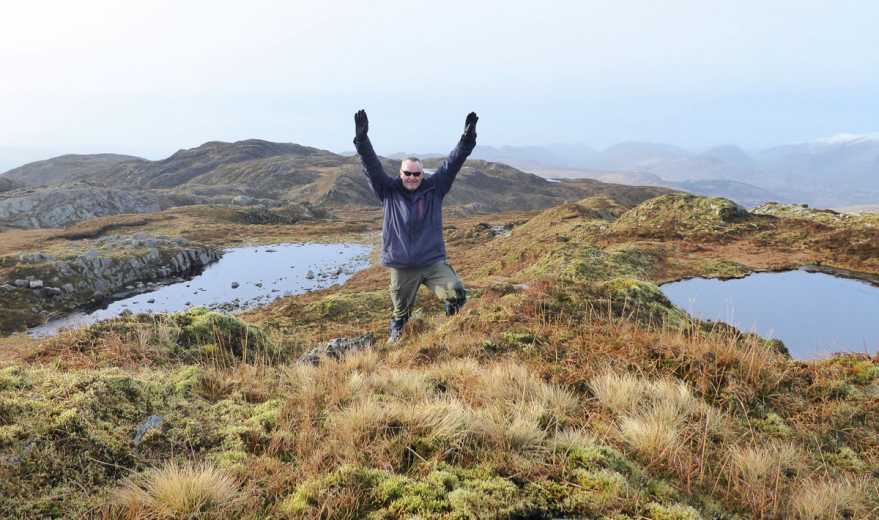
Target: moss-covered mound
192 336
681 215
66 438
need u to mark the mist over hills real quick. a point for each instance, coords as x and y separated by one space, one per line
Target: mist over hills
838 171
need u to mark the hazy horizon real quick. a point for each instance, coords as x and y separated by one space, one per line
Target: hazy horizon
148 80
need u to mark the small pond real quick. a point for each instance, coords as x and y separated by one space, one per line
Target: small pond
243 278
814 314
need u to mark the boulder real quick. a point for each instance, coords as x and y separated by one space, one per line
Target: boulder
336 348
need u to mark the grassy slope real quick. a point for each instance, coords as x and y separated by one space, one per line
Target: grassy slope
567 387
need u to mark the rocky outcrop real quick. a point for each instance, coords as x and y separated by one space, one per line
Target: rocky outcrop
58 206
336 348
40 284
7 184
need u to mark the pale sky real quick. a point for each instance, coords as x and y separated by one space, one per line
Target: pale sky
150 77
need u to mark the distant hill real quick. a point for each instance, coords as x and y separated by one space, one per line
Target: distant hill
257 172
68 168
743 193
837 171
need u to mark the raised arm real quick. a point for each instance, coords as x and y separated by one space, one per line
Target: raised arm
372 167
448 170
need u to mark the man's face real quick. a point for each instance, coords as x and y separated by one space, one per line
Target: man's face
411 182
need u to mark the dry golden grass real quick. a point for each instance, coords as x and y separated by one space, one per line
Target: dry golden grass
177 491
832 499
653 432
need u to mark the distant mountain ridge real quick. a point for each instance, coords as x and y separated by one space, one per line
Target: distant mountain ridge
835 171
257 172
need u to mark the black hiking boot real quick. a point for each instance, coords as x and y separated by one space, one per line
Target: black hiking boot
395 329
453 306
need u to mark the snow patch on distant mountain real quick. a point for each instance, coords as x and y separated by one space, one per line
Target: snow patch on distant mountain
843 139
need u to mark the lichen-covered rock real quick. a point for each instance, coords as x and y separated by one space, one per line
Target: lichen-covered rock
336 348
113 264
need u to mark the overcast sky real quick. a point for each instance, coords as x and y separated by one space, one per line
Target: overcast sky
151 77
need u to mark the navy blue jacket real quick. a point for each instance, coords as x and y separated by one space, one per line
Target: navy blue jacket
412 232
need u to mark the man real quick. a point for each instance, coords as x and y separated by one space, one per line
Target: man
412 232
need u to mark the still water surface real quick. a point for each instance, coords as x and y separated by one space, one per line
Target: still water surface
814 314
260 274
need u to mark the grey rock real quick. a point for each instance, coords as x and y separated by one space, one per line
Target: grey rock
21 283
51 292
36 284
336 348
68 288
57 206
235 285
153 422
34 258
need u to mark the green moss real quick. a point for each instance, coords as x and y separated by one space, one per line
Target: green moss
519 339
266 414
846 458
674 512
863 372
681 215
447 492
723 269
13 378
663 490
347 305
186 379
773 425
598 456
10 433
604 485
232 336
644 301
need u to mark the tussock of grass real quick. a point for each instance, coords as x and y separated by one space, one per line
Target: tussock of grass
177 491
830 499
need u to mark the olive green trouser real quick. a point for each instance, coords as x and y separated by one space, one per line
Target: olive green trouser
439 278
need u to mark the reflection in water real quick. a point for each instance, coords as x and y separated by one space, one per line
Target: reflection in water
814 314
244 277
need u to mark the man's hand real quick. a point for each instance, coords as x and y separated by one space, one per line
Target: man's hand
469 127
361 124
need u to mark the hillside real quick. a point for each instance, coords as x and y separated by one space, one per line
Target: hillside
9 184
831 172
67 168
262 173
567 387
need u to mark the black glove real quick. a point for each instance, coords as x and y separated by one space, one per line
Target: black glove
361 125
470 128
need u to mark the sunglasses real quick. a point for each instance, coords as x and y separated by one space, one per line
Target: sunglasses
410 174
